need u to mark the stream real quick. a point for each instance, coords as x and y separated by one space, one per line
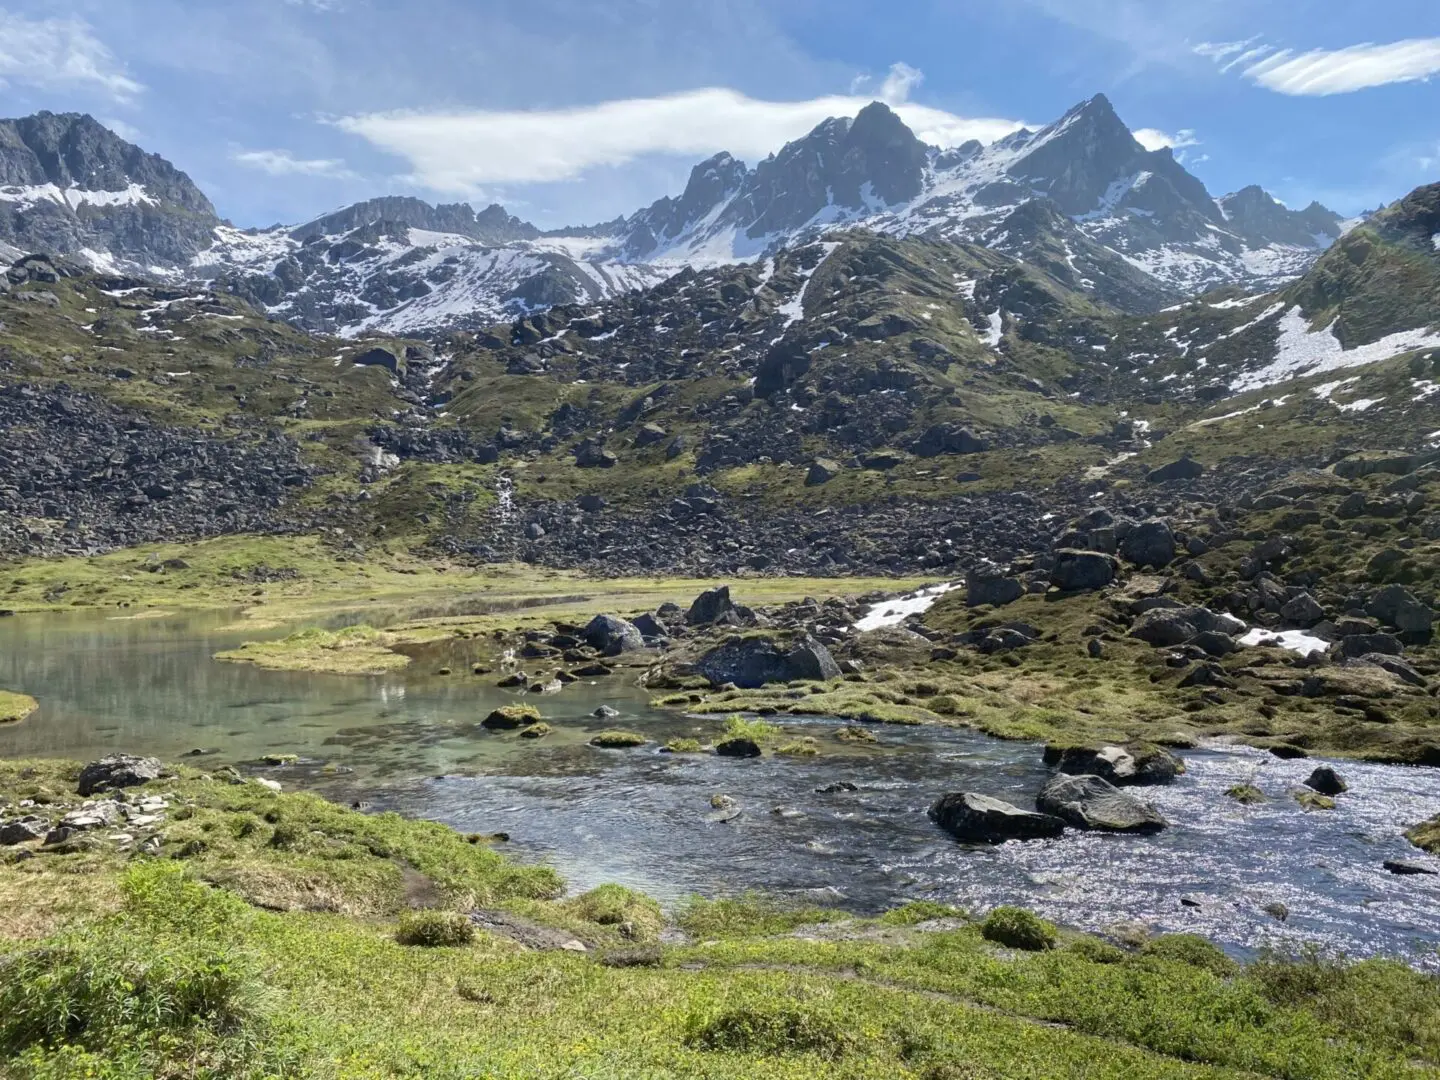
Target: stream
412 743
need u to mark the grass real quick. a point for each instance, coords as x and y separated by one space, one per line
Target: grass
15 707
1426 835
1018 929
618 740
176 976
356 650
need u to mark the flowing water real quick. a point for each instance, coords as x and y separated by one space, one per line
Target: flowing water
412 742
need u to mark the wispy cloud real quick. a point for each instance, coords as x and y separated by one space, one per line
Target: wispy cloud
1155 139
460 152
283 163
57 53
1321 72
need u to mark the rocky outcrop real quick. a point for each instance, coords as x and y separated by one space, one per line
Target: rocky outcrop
1075 571
1091 802
118 771
611 635
752 662
1119 765
980 819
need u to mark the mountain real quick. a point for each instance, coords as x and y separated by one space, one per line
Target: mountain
1080 199
70 185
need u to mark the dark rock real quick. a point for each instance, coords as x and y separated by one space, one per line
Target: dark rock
1184 469
1121 766
23 831
710 607
1151 543
651 628
987 585
1403 868
1077 570
822 471
1327 781
1303 610
590 454
1396 606
612 635
378 357
1090 802
605 712
980 819
1396 666
591 504
738 748
118 771
948 439
1287 752
837 788
753 662
1358 645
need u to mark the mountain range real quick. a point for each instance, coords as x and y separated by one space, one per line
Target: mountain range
1081 199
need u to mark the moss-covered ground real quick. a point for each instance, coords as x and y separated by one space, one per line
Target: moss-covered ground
15 707
265 940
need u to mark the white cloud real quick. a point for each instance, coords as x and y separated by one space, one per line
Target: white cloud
1322 72
459 152
1155 139
283 163
128 132
54 53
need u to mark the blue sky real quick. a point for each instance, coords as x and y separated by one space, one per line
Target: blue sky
571 112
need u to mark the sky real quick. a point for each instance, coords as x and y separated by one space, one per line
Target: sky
571 112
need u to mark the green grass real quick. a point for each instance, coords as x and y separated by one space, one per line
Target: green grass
356 650
15 707
618 740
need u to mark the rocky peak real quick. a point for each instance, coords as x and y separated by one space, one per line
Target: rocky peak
493 225
1255 214
1077 158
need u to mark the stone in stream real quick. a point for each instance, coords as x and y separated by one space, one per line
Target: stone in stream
1088 802
738 748
1402 868
981 819
612 635
605 712
1120 765
118 771
1327 781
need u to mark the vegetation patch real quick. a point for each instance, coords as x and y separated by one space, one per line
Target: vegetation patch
618 740
434 929
356 650
1017 928
15 707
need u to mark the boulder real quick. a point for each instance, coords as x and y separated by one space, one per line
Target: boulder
987 585
1184 469
651 628
948 439
1091 802
1404 868
710 607
378 357
590 454
1396 606
1396 666
23 831
1327 781
752 662
1165 628
979 819
1077 570
1121 765
822 471
1303 610
1358 645
1151 543
738 748
591 504
118 771
612 635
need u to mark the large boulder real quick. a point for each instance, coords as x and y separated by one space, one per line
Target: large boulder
1184 469
1327 781
1091 802
948 439
1120 765
118 771
1151 543
612 635
1166 627
822 471
1396 606
591 454
988 585
753 662
979 819
710 607
1077 570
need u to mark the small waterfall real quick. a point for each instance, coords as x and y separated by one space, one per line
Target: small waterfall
505 500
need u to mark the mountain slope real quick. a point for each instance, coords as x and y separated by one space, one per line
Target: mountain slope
71 186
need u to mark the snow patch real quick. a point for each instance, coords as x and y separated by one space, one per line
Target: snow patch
1296 641
894 612
794 308
1301 351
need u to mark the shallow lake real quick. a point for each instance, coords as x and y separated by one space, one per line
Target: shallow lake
412 742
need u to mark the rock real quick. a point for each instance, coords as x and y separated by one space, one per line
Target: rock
738 748
510 718
1287 752
23 831
1077 570
979 819
710 607
1184 469
1396 666
605 712
378 357
837 788
650 434
1358 645
1403 868
987 585
822 471
591 504
1151 543
1303 610
612 635
1397 606
1121 766
751 663
1327 781
651 628
118 771
1277 911
1165 628
590 454
1090 802
948 439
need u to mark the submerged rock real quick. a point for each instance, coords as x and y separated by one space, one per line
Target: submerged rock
981 819
1089 802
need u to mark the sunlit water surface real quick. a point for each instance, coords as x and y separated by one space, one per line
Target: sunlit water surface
412 742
